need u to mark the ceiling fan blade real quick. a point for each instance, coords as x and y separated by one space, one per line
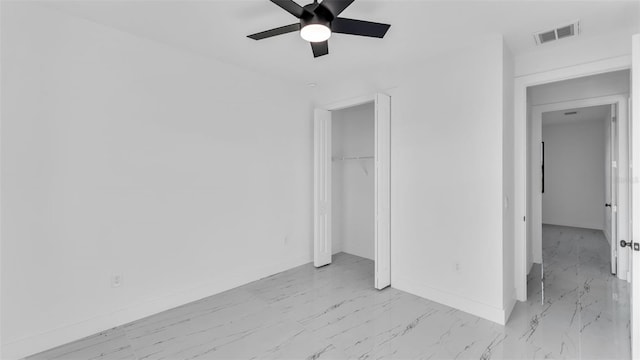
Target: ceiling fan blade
273 32
336 6
291 7
320 48
359 27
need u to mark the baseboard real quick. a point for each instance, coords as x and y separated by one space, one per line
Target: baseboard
71 332
537 259
457 302
509 309
358 255
607 235
581 226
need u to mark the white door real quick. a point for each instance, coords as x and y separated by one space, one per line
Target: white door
382 191
322 188
612 206
635 144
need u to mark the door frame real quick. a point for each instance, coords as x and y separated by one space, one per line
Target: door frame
382 188
322 213
622 200
520 133
635 192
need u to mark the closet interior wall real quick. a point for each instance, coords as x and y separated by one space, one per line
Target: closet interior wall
353 180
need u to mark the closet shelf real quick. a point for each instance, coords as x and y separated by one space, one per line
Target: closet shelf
352 158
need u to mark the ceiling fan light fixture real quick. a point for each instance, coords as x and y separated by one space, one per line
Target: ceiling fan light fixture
315 32
318 20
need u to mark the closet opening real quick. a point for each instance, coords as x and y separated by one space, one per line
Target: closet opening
353 183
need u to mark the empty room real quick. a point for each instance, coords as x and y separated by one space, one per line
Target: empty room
328 179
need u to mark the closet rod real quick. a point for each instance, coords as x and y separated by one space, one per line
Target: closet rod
352 158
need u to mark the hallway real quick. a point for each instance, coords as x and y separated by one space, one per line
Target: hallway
586 309
334 313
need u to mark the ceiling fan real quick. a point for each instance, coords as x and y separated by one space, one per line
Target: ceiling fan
319 20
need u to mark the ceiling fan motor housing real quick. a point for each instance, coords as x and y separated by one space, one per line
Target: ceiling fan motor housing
316 14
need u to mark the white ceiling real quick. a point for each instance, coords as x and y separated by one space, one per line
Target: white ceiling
592 113
420 29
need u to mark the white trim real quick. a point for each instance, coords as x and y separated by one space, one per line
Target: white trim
520 148
23 347
635 145
529 268
607 235
484 311
587 102
382 186
578 225
571 72
509 309
322 221
535 176
2 350
1 217
343 104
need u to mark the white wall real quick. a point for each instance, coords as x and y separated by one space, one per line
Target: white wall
447 181
570 52
125 156
574 179
447 176
353 180
508 161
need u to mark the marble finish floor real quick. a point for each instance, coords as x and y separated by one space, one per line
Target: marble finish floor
335 313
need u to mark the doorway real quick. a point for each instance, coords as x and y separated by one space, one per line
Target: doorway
352 205
581 208
578 213
614 220
579 170
352 187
